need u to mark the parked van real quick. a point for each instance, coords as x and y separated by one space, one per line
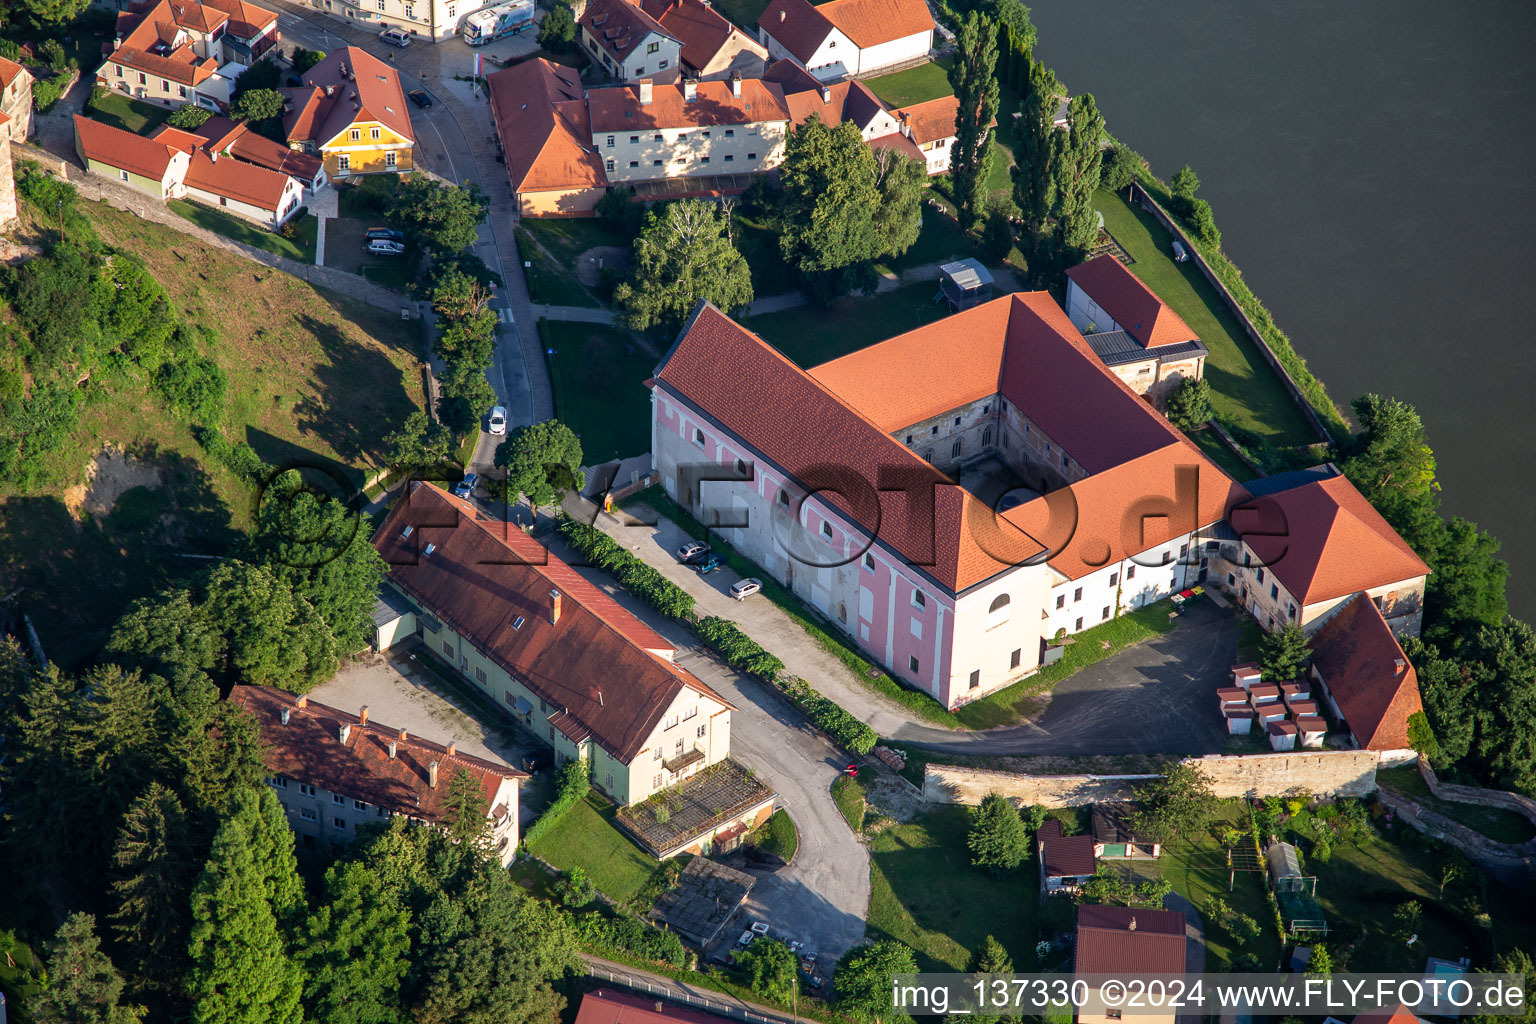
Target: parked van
395 37
1180 254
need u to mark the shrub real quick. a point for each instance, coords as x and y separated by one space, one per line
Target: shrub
570 789
997 235
238 457
1189 406
45 93
10 49
1203 223
1119 167
604 934
740 651
189 118
194 388
52 53
619 210
576 889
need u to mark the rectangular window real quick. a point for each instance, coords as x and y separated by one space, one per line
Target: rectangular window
608 781
671 722
337 798
480 674
119 69
1130 572
448 648
339 822
142 79
656 782
918 600
306 789
355 134
703 729
662 65
1077 595
1105 616
652 47
1114 579
869 562
1016 657
1078 628
730 133
344 163
658 754
373 133
1274 592
278 782
698 437
360 805
610 142
634 163
1183 550
657 139
751 156
1293 613
703 159
223 201
634 139
1061 600
655 163
677 748
609 165
181 91
123 175
389 159
975 679
912 662
306 814
1260 576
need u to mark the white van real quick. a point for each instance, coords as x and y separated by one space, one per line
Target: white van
395 37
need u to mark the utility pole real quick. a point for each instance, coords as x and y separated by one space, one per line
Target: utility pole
61 220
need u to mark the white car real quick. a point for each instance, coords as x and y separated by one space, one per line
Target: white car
743 589
395 37
385 247
498 421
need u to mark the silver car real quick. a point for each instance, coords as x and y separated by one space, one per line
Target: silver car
395 37
498 421
743 589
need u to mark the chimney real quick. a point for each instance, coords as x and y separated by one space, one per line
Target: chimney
453 748
554 607
286 713
690 91
600 699
391 750
1133 924
658 1007
213 157
403 736
781 17
645 94
345 732
362 715
432 774
826 94
1399 664
330 90
301 703
736 84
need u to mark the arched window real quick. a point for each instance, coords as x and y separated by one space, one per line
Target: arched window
954 451
997 612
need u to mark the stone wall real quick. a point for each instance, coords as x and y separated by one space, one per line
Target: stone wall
1321 772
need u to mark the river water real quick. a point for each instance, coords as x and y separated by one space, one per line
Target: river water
1372 167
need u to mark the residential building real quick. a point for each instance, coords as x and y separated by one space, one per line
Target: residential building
626 42
866 485
224 136
428 20
540 112
154 168
1309 541
836 103
1365 678
548 647
335 772
847 37
15 100
352 113
711 47
1142 341
175 53
1124 941
1066 862
687 129
931 126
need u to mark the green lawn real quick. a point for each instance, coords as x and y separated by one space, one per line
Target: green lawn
940 241
391 272
848 793
301 248
599 378
128 114
1219 452
1008 705
914 85
924 892
587 838
1245 391
568 237
1498 824
550 283
777 836
811 334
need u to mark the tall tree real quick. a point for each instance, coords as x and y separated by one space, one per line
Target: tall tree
973 77
1283 654
1034 183
153 869
464 810
354 949
770 968
83 987
997 839
683 255
242 971
322 550
829 207
542 462
863 980
1179 802
1391 463
1466 589
419 444
1077 157
989 958
442 216
902 183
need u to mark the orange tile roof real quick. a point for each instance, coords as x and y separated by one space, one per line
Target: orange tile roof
185 141
123 150
619 109
802 426
606 1006
363 88
1358 658
1129 940
602 672
846 101
541 119
1133 305
196 17
900 143
182 65
237 180
309 749
1323 540
9 70
872 22
246 20
702 31
930 121
797 26
619 26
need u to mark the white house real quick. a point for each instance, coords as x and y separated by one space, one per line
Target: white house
847 37
628 43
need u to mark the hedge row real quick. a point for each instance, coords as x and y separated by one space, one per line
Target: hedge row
831 717
570 790
740 651
236 456
634 575
604 935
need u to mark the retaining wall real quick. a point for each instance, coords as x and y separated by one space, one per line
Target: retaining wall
1321 772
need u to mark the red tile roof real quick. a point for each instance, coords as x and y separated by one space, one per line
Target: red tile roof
237 180
364 88
930 121
542 122
619 110
846 101
1358 657
246 20
1061 855
619 26
187 142
790 77
702 31
9 70
797 26
601 670
1129 940
158 26
1323 540
123 150
606 1006
309 749
900 143
1133 305
872 22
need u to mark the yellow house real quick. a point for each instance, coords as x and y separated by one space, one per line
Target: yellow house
352 113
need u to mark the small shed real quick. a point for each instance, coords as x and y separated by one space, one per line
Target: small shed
1282 735
1283 860
1312 730
965 283
1066 862
706 895
394 619
1239 720
1246 674
1229 696
1263 693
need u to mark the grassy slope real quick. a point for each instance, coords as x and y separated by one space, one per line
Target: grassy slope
313 377
586 837
598 374
1496 823
1246 391
924 892
301 248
